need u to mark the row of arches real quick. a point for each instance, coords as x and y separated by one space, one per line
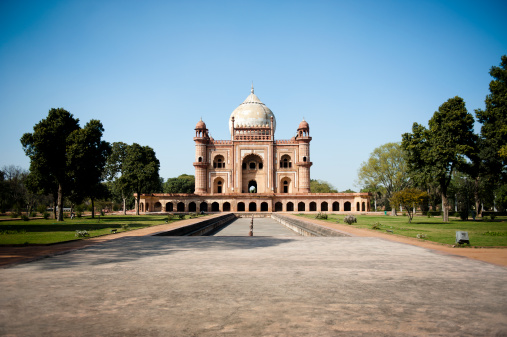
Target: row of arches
251 207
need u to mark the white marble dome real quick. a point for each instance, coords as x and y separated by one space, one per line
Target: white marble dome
252 113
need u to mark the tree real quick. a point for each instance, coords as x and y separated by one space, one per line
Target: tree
184 183
408 198
386 170
47 148
140 171
321 186
492 157
114 173
87 155
434 154
65 160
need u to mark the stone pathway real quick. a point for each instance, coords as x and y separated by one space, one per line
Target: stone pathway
253 286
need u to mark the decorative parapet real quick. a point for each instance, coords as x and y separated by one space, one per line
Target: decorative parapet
221 142
285 141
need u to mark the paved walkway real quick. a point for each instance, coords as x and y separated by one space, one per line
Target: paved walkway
253 286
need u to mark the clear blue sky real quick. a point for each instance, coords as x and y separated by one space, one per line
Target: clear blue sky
360 72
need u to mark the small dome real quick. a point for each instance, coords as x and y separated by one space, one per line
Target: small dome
303 125
252 113
201 125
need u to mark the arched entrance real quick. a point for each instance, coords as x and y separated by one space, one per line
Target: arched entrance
203 207
278 207
252 207
215 207
192 207
181 207
285 185
336 206
218 186
346 206
252 169
301 207
313 206
264 207
290 207
252 186
226 207
157 207
241 206
169 207
323 206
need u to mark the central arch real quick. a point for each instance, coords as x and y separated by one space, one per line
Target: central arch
252 169
252 207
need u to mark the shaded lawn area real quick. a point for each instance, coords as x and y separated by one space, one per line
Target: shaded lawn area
50 231
482 233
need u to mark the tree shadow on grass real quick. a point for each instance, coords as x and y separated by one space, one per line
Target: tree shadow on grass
130 249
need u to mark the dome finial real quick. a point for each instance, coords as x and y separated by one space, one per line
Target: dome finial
252 91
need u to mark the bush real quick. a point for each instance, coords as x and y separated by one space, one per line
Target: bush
492 216
169 217
350 219
14 214
181 216
24 217
125 227
321 215
78 214
404 214
33 214
82 234
376 225
45 215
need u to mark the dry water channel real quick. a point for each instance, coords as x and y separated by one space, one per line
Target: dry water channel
261 227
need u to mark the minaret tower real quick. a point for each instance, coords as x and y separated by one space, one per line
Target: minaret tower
201 162
303 138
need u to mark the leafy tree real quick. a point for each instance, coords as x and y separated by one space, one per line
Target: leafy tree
321 186
140 171
491 165
348 191
87 155
65 160
114 173
434 154
501 198
408 198
47 148
184 183
385 172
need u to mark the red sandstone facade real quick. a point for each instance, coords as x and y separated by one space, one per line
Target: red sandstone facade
253 172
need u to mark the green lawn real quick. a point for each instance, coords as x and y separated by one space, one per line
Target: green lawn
50 231
482 233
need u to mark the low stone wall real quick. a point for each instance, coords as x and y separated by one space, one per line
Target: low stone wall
306 228
200 228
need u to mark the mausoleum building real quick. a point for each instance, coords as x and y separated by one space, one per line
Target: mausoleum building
253 171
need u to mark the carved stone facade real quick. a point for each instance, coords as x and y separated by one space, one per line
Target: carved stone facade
253 172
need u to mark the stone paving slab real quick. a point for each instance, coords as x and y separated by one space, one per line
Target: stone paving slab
253 286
